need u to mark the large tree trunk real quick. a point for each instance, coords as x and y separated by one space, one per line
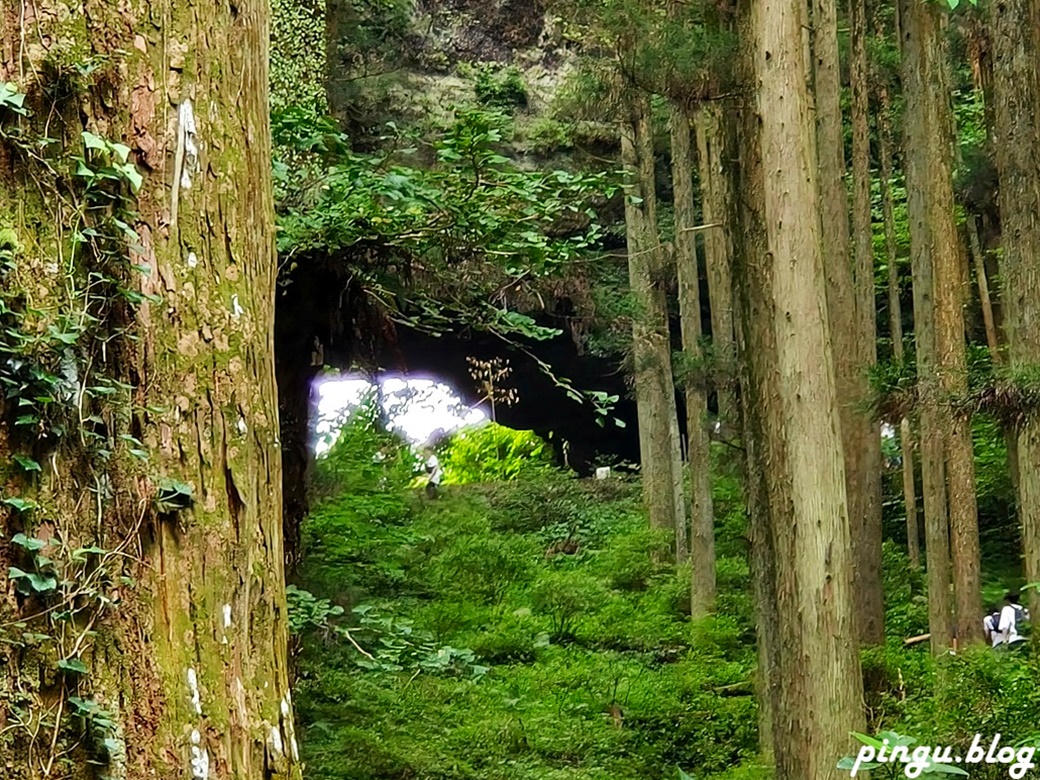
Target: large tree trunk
660 458
746 214
160 452
793 402
716 210
853 346
702 520
949 296
895 324
928 158
1015 29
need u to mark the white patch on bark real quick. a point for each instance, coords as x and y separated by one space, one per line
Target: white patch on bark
199 758
193 686
295 749
193 259
236 307
242 427
285 707
276 740
227 616
191 151
185 157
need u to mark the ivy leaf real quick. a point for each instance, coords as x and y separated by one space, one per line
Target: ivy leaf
29 543
122 151
73 665
12 99
174 496
132 175
92 141
39 583
27 463
21 504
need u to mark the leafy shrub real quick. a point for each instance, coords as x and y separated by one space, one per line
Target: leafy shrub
492 453
500 88
564 598
308 611
547 135
906 600
483 567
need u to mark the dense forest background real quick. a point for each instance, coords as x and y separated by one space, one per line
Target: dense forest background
766 268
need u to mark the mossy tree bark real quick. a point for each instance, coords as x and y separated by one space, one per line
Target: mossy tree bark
793 406
660 456
170 478
849 296
1015 30
702 519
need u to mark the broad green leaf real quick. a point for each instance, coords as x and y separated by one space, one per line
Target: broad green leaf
849 762
132 175
941 768
92 141
27 463
122 151
21 504
868 740
73 665
29 543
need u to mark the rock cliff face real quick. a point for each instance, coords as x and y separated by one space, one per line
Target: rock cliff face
508 31
370 61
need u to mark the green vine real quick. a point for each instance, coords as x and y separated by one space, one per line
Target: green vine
66 399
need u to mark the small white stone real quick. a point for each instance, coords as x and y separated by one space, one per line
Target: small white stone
195 736
193 259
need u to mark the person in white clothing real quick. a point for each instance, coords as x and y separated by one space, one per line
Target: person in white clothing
1010 615
433 468
989 626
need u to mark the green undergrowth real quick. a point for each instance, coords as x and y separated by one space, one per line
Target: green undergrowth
522 630
516 630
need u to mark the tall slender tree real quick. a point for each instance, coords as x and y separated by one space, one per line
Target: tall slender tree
660 457
946 450
846 307
1015 31
895 323
702 519
716 197
793 409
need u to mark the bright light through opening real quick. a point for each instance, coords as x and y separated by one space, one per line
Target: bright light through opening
416 408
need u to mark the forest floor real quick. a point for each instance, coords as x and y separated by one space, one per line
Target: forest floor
520 630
